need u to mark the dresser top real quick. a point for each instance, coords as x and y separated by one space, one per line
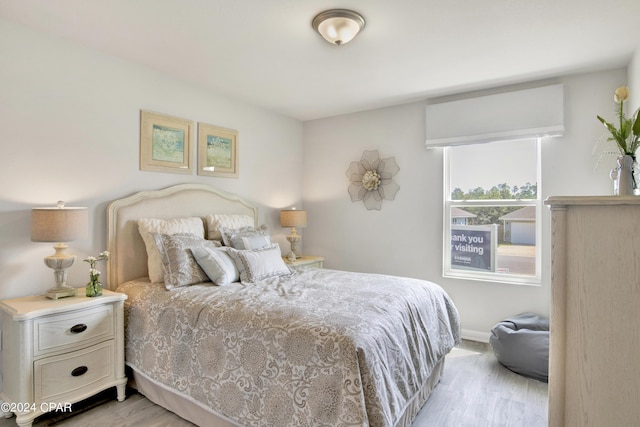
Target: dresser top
38 305
592 200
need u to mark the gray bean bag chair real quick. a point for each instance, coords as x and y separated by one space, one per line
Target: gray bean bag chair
521 344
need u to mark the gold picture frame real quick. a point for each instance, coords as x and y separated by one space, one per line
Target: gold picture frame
165 143
217 151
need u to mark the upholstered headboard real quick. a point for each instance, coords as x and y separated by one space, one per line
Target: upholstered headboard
128 254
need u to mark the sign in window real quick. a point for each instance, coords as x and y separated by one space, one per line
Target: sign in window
473 247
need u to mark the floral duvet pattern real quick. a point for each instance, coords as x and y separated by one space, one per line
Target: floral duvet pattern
317 348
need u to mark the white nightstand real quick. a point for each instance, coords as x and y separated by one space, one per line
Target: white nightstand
58 352
306 261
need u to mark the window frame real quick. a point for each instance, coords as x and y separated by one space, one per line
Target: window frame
496 277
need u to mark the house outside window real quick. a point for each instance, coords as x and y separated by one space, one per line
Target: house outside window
519 227
492 208
460 216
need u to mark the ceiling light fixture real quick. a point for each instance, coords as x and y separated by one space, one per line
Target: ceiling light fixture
338 26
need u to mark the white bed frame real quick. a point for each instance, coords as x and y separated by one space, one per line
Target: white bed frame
129 261
128 254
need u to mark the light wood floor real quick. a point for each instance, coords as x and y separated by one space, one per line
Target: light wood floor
477 391
474 391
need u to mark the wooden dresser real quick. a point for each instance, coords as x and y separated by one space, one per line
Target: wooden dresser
594 361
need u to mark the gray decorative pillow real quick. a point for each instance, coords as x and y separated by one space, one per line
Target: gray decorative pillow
246 237
146 226
259 264
180 267
217 264
215 221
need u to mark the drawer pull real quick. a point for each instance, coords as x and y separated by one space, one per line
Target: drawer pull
76 329
80 370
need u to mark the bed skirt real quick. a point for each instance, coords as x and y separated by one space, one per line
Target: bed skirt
197 413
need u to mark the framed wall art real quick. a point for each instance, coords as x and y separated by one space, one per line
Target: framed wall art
165 143
217 151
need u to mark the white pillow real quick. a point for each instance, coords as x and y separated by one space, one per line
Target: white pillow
215 221
146 226
218 265
258 264
246 237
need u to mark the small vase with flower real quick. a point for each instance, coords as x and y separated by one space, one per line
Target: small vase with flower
94 287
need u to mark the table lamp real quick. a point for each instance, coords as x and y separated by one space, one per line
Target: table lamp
293 218
59 224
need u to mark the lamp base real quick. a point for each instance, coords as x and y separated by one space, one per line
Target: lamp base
60 262
293 239
61 292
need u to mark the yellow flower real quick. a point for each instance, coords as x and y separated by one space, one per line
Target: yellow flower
621 94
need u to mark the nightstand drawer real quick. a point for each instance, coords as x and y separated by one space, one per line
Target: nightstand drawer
72 330
58 378
314 264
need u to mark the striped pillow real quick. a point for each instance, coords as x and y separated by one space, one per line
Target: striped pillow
217 264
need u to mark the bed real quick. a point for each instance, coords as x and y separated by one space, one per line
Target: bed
309 347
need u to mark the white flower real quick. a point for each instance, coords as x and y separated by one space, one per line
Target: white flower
104 255
371 180
621 94
627 134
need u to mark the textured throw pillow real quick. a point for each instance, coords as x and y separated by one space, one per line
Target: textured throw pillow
146 226
258 264
217 264
246 237
180 267
231 221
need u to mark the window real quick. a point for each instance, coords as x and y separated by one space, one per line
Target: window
492 209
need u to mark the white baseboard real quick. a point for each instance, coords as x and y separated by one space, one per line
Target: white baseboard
470 335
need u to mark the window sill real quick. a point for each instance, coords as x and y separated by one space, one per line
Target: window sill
508 279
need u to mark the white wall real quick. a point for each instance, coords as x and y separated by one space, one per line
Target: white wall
405 237
69 126
69 129
634 81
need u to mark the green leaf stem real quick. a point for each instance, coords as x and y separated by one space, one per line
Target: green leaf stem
627 136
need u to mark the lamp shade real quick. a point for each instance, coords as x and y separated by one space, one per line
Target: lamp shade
59 224
338 26
293 218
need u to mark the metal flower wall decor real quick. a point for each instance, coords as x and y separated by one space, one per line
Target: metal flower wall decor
372 179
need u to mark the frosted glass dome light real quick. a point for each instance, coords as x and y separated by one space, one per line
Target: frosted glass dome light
338 26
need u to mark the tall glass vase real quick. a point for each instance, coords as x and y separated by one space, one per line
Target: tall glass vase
626 180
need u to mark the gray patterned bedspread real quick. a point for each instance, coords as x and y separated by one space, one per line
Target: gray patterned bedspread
320 347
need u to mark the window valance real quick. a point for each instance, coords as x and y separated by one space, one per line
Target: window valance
528 113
